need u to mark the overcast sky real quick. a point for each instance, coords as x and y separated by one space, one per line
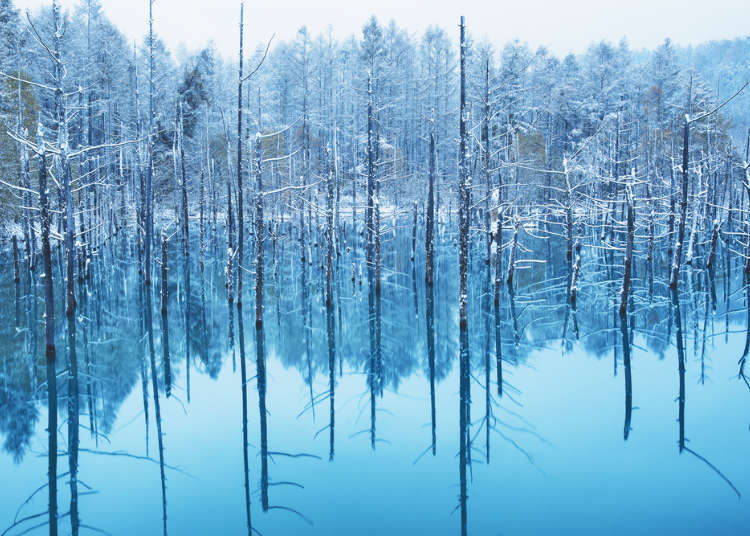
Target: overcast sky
562 26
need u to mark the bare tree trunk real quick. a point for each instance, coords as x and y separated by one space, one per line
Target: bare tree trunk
63 171
714 241
202 223
628 266
414 234
240 213
150 163
496 300
259 235
230 233
513 252
373 369
165 318
463 239
16 272
329 303
49 323
576 274
185 231
370 178
677 259
430 218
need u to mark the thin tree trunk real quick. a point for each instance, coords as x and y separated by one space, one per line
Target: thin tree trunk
674 277
49 323
463 238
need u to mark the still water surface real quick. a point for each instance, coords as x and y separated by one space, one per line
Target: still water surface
569 451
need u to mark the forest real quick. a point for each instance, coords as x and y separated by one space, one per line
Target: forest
358 202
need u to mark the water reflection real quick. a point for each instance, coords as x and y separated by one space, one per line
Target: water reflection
628 375
353 348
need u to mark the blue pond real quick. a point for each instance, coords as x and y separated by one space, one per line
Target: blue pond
590 436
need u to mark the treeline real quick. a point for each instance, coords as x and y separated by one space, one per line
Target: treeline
541 107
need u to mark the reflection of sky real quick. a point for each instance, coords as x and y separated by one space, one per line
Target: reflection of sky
585 480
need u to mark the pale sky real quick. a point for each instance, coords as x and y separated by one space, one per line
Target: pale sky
562 26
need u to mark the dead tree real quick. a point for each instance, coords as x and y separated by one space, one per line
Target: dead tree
463 258
430 217
259 235
628 262
49 332
149 201
240 212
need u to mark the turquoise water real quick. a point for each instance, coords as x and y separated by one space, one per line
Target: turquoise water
559 459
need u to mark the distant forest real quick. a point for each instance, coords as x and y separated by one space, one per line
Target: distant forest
541 106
